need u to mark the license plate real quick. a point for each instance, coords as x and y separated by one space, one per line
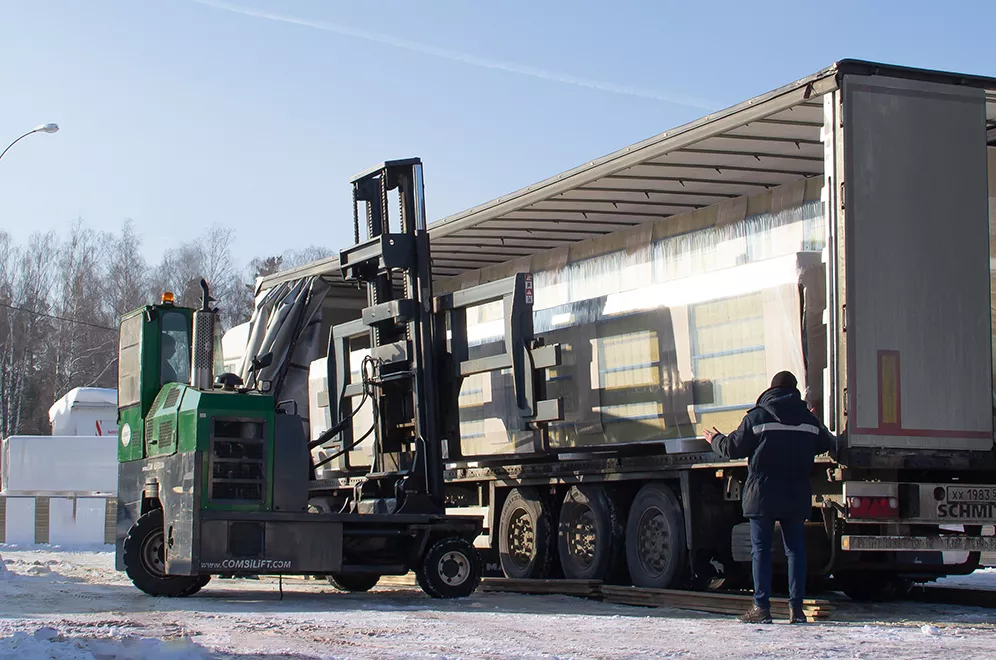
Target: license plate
971 494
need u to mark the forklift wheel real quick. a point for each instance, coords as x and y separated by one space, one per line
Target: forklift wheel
354 581
202 580
145 562
451 569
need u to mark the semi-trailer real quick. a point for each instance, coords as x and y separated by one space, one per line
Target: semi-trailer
595 322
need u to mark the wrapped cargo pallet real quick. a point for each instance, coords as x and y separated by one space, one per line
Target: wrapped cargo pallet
59 490
663 336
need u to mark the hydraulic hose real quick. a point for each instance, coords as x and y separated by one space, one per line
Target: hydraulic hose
368 386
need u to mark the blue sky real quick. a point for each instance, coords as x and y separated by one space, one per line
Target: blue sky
178 114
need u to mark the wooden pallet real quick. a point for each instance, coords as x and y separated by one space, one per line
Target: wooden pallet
407 580
716 603
583 588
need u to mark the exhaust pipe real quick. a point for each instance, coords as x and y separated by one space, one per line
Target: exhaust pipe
202 343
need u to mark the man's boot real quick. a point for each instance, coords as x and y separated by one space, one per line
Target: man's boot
756 614
797 615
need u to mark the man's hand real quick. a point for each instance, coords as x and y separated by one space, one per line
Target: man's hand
710 434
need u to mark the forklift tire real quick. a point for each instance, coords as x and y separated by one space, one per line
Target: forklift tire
451 569
526 535
201 582
354 582
144 561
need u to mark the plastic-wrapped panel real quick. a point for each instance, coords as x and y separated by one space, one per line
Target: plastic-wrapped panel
659 341
42 464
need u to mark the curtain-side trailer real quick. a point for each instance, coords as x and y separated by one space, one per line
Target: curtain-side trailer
836 227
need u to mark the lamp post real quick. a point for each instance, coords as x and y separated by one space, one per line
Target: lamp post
44 128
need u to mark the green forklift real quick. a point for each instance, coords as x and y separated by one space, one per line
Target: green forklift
215 473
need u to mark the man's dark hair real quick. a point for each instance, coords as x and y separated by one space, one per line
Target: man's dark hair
784 379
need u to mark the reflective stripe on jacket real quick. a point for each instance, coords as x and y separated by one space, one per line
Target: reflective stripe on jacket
779 437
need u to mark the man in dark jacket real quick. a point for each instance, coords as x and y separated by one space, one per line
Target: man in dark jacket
779 437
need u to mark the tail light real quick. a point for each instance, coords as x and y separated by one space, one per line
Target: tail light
872 507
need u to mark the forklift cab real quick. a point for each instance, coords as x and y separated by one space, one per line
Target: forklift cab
154 350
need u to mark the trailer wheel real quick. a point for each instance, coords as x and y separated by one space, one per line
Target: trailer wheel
144 560
872 587
354 582
590 534
525 535
655 539
451 569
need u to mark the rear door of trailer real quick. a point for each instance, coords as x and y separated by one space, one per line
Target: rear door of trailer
911 374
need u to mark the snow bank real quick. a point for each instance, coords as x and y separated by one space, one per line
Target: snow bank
56 547
48 643
984 578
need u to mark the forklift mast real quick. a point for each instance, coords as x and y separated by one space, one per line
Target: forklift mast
399 374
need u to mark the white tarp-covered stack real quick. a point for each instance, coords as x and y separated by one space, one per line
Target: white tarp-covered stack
85 411
58 489
71 465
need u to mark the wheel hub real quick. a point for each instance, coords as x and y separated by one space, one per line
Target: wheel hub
453 568
581 537
154 555
653 541
521 538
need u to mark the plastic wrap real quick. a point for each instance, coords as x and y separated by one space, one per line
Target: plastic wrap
661 340
41 464
77 521
19 520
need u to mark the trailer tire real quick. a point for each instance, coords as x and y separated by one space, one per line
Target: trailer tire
145 564
590 535
656 552
354 582
872 587
451 569
525 535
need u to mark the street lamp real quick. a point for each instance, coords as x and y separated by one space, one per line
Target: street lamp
44 128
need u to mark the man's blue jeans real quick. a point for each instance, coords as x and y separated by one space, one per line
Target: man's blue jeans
761 532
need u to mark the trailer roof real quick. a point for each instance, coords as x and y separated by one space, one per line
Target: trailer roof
762 143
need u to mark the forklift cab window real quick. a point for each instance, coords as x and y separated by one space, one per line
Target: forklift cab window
174 349
129 362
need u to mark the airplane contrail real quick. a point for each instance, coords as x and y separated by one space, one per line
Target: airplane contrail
465 58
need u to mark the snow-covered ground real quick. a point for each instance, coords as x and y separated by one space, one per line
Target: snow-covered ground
981 579
74 605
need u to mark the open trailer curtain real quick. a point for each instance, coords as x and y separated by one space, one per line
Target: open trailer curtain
287 322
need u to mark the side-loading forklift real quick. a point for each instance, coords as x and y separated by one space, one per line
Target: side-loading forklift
215 473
